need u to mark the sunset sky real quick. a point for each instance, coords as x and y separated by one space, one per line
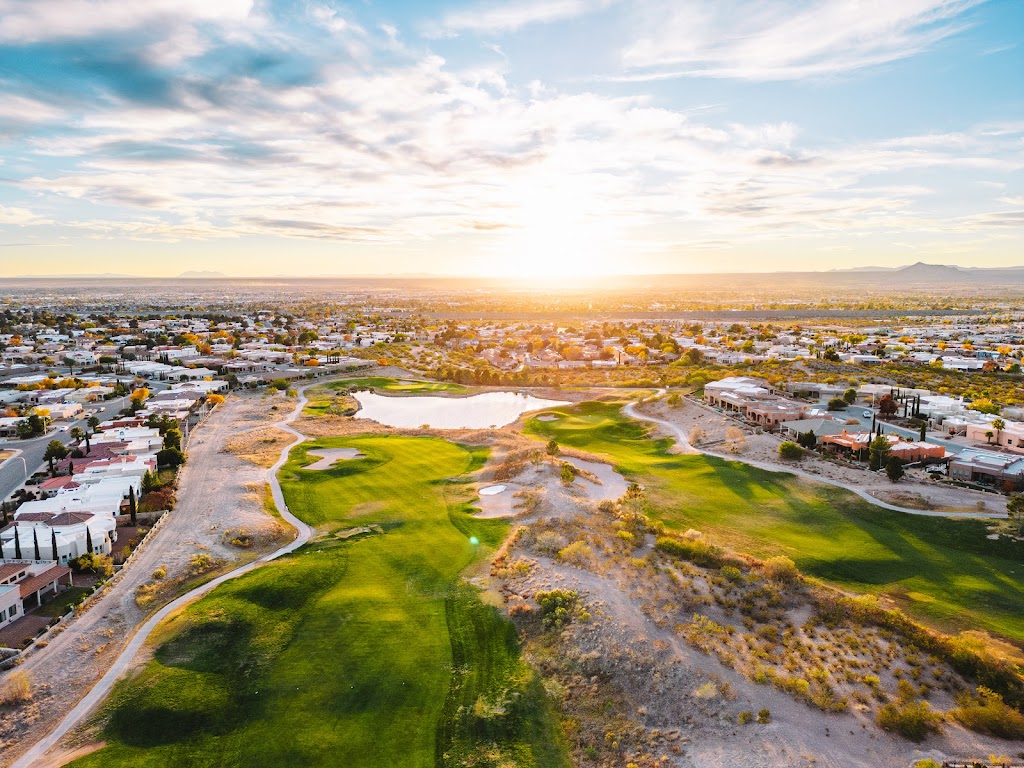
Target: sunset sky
543 137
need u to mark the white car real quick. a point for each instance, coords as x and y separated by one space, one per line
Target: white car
64 428
867 414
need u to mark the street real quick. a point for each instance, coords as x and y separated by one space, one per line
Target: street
13 473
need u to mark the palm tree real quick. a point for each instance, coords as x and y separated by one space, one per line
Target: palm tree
998 425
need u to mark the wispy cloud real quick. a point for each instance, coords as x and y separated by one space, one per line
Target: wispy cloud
752 40
507 17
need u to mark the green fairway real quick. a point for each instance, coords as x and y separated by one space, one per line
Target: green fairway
321 396
941 570
367 651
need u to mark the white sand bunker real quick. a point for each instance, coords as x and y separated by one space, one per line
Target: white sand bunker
492 490
331 456
548 417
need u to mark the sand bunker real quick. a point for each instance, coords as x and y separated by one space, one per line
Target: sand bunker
331 456
548 417
492 490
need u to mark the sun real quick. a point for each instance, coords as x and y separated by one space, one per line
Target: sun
558 236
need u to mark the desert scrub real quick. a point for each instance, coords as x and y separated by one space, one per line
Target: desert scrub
16 689
578 553
557 607
912 720
986 712
697 551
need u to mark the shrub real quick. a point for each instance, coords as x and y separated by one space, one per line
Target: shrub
746 717
912 720
199 563
160 573
170 457
697 551
781 569
790 451
102 565
764 716
577 553
552 448
556 607
16 689
986 712
837 404
568 473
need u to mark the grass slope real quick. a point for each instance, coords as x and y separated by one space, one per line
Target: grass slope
362 652
940 570
321 396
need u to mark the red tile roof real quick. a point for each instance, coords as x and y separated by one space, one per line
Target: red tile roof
35 583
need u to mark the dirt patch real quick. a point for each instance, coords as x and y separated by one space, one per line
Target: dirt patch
261 447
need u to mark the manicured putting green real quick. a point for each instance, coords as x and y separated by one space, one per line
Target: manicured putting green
367 651
940 570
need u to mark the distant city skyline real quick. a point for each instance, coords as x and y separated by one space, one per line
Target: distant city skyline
537 138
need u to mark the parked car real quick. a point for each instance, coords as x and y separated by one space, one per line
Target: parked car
867 414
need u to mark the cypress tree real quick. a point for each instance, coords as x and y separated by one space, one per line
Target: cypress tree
88 539
53 543
17 544
132 506
35 544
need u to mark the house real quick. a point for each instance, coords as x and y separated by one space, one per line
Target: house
988 468
820 427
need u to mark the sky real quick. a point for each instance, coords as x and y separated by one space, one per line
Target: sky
545 138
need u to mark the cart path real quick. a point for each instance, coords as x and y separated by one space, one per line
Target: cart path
103 686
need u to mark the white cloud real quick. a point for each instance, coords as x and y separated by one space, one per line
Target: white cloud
774 41
508 17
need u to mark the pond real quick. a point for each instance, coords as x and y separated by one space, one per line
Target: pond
491 409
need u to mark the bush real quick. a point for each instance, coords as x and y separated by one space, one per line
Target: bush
697 551
790 451
912 720
764 716
199 563
577 553
837 404
781 569
102 565
556 607
16 689
746 717
986 712
568 473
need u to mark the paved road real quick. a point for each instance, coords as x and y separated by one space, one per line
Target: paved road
686 447
12 473
100 690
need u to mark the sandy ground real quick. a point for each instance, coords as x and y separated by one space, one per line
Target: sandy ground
218 492
915 490
673 700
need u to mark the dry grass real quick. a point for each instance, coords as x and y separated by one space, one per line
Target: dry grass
16 689
261 447
4 455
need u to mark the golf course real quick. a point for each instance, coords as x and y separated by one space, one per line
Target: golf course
362 649
323 395
944 572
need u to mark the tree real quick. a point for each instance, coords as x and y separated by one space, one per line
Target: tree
894 468
77 434
552 448
887 406
93 422
17 544
35 544
989 434
149 482
790 451
674 400
213 399
837 404
53 544
88 540
998 425
138 397
55 449
172 438
850 396
831 355
924 431
132 505
170 457
878 452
